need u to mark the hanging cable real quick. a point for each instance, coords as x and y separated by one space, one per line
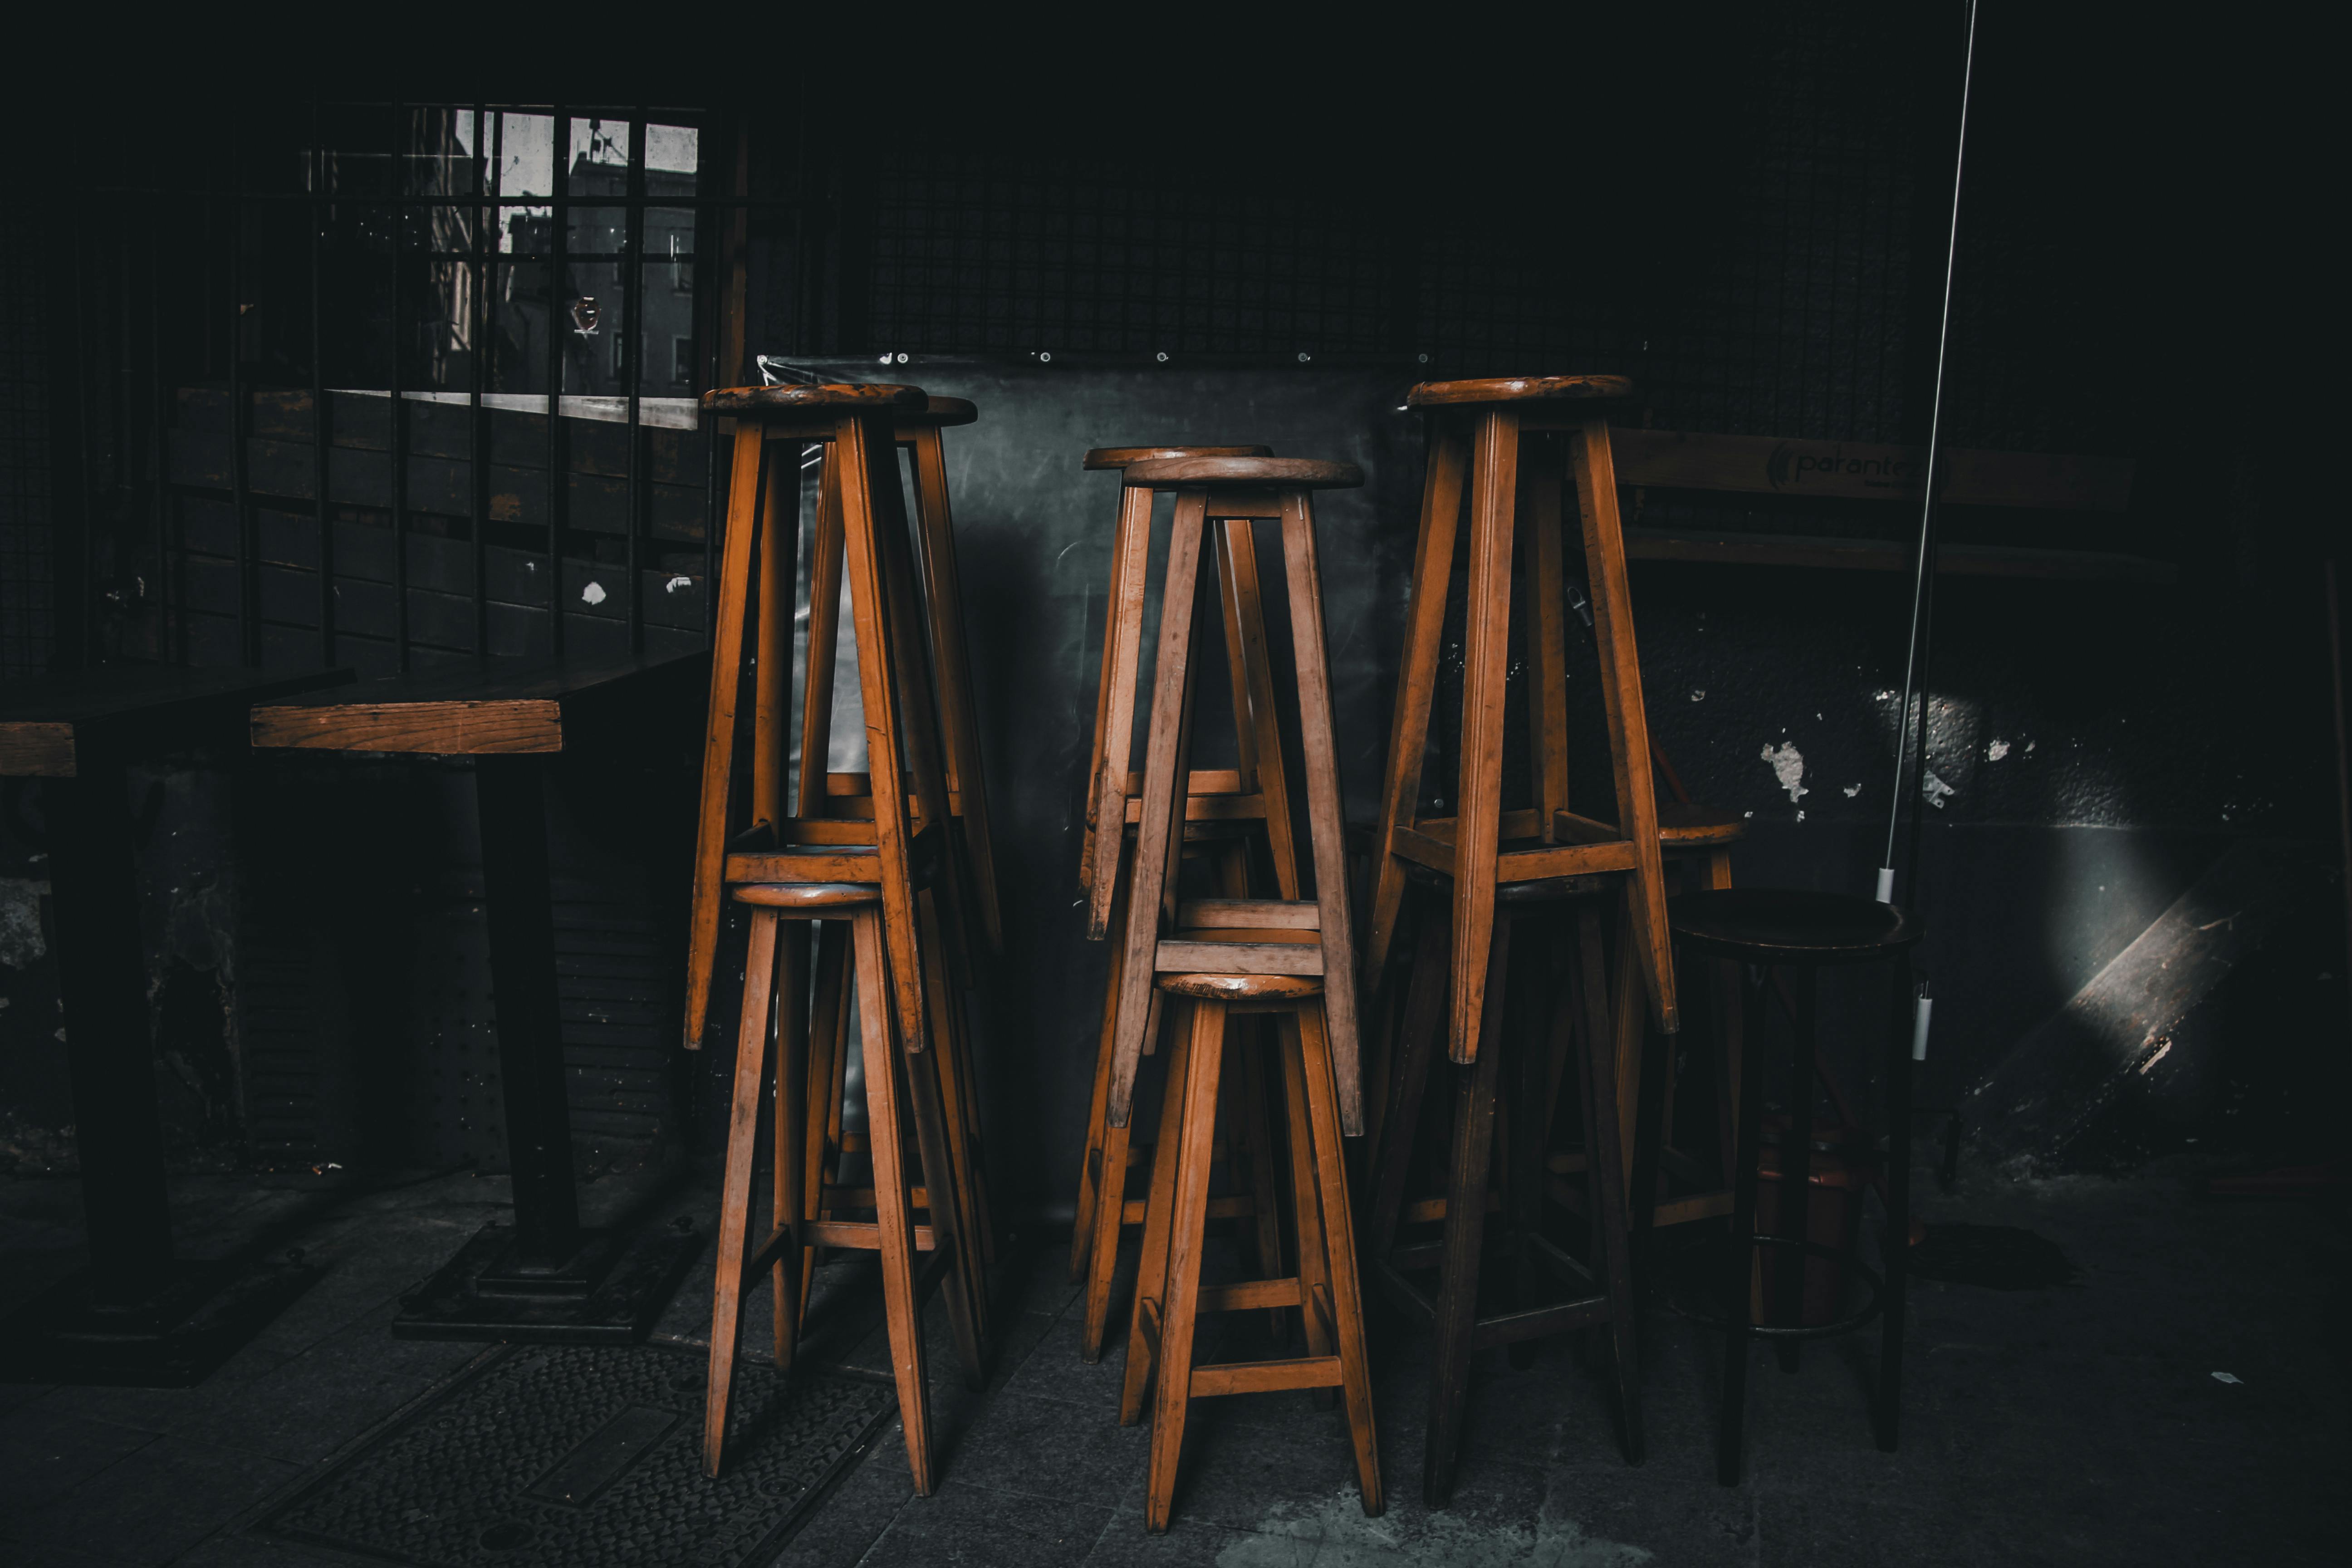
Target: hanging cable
1923 583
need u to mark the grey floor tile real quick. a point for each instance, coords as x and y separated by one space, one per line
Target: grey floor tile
46 1451
973 1527
859 1509
1023 1444
158 1501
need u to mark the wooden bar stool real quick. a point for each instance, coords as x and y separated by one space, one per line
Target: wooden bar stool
1217 490
1561 1025
1232 807
1170 1295
1767 930
1515 444
891 826
898 1081
861 519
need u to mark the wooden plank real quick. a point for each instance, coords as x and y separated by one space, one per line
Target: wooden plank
1493 474
844 864
1566 860
1858 470
1266 1376
1122 655
1175 957
1422 849
1250 1294
1214 913
1211 808
51 724
485 707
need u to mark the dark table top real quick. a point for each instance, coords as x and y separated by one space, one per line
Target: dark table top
52 725
491 706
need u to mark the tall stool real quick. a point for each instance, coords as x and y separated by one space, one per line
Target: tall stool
1563 1028
1253 799
1479 441
1170 1295
1770 931
898 1080
1217 953
1218 490
861 529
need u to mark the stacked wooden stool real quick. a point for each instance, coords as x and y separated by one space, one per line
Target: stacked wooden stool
894 868
1226 814
1206 963
1515 449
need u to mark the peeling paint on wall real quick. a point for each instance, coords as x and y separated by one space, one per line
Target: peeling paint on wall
1998 750
1933 790
1788 768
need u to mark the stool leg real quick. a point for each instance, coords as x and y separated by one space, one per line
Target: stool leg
718 740
790 1117
944 1195
1897 1248
1122 655
1306 1199
1466 1230
771 701
1160 835
1417 1045
1541 475
828 1064
1608 1205
1095 1173
1255 716
955 1171
823 642
1621 691
1187 1234
1266 1208
1326 835
1740 1263
1477 829
902 1307
1347 1294
959 726
1146 1325
735 1199
1796 1173
1432 571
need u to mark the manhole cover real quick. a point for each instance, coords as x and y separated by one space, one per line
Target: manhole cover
576 1455
1997 1257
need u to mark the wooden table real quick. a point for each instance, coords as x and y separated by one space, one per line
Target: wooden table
137 1314
545 1279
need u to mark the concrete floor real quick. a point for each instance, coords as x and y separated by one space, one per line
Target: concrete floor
2082 1425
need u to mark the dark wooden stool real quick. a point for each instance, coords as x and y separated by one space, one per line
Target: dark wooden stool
1479 443
1253 799
1565 1029
136 1314
546 1279
893 1076
1768 930
894 825
1212 952
1170 1295
896 600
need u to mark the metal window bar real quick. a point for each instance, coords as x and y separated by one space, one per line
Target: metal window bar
478 331
633 350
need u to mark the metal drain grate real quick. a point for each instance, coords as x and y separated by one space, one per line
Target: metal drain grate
574 1456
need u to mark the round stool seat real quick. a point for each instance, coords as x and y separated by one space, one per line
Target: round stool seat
1259 473
1516 389
775 402
1791 925
1686 824
1123 456
808 895
1241 987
